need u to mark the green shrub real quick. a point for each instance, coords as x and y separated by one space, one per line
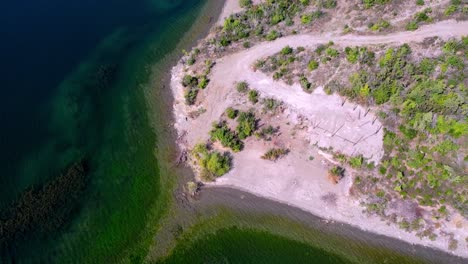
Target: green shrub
189 80
245 3
420 2
329 3
320 48
423 16
332 52
203 82
306 19
382 170
356 162
271 104
242 87
226 136
272 35
231 113
247 124
427 66
218 164
191 96
191 60
408 132
276 18
274 154
412 25
305 84
253 96
382 24
286 50
450 10
352 54
313 65
214 164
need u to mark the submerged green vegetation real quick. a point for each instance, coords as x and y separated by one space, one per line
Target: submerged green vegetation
242 235
247 246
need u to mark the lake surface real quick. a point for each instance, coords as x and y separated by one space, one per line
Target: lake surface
74 79
82 83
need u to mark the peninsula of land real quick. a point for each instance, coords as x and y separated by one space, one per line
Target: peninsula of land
354 111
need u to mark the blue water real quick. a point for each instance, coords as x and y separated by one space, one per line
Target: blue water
42 42
72 82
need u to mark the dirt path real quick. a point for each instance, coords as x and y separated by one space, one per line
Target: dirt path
317 106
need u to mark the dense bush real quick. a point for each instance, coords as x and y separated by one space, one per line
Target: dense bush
226 136
356 162
218 164
286 50
189 81
247 124
203 82
308 18
380 25
312 65
272 35
253 96
213 163
419 18
231 113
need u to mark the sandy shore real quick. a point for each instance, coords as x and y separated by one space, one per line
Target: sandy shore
296 180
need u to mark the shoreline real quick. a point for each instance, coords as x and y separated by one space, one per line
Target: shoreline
347 212
248 203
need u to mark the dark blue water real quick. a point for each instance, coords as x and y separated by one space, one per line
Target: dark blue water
73 91
42 42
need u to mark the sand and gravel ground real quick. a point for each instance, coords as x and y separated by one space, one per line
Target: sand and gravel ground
308 119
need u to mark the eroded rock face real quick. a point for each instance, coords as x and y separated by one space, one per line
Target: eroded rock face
345 127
